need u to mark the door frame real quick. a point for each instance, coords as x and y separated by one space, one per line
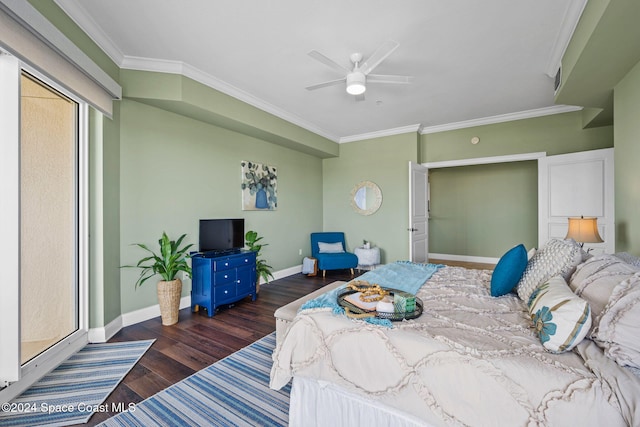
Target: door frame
473 162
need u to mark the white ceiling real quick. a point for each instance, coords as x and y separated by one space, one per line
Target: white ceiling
470 59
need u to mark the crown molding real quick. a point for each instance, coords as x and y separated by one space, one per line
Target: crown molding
380 133
569 23
78 14
178 67
539 112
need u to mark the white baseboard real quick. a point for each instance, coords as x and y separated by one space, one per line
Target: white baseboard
280 274
105 333
150 312
464 258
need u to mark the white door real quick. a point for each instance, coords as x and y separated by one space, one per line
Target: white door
418 213
573 185
9 220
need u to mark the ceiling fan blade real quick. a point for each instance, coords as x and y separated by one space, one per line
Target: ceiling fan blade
382 78
328 62
378 56
325 84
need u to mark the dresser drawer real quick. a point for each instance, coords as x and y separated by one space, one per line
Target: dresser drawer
225 292
233 262
224 276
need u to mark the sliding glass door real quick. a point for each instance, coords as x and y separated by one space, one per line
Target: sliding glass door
48 217
43 295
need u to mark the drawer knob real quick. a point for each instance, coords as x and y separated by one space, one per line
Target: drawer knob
226 292
226 277
238 281
226 264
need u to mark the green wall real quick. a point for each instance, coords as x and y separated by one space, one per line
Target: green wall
627 158
602 72
554 134
384 161
175 170
484 210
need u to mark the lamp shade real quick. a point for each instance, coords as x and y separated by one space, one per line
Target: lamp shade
584 230
356 83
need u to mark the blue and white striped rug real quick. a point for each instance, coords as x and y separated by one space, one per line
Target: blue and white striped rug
73 391
232 392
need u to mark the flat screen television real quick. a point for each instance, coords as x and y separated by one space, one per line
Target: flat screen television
221 235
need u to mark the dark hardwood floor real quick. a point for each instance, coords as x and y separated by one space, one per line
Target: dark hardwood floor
197 340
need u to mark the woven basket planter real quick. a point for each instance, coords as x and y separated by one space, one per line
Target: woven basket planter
169 294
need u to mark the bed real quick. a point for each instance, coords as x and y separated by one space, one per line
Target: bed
476 359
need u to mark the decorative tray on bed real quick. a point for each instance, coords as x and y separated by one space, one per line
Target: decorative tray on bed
368 309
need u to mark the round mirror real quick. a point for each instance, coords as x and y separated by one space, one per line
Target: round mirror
366 198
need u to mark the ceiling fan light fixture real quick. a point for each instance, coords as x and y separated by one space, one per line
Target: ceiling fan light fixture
356 83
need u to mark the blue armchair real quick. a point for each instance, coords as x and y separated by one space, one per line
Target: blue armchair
329 255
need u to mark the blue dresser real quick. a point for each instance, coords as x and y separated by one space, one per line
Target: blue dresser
222 279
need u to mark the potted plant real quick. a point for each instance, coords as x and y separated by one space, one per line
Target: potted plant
262 268
167 264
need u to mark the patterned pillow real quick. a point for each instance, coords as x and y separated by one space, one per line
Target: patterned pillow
560 318
618 332
557 257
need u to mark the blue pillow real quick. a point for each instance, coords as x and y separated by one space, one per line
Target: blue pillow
508 271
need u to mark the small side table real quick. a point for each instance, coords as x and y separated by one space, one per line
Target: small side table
368 259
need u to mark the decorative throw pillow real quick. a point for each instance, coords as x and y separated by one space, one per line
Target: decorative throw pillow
618 332
595 279
560 318
330 248
508 271
556 257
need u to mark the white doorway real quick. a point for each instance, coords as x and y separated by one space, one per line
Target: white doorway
478 161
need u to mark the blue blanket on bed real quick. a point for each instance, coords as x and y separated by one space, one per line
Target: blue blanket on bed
402 275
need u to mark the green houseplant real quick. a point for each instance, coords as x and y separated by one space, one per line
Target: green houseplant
262 268
171 260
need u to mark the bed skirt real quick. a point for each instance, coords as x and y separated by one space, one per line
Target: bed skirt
318 403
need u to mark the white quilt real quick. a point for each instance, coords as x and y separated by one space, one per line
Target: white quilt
470 359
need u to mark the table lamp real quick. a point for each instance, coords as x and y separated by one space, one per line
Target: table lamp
584 230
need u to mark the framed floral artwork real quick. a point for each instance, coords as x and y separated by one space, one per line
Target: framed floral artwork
259 187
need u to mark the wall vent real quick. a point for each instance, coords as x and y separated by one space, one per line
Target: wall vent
557 81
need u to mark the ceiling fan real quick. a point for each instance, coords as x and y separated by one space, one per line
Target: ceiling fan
357 78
